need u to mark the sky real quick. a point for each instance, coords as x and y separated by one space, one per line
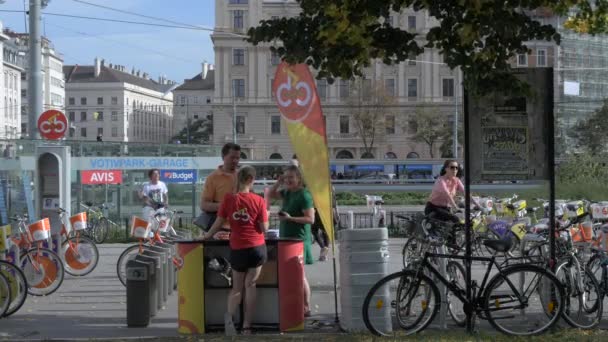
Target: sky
174 52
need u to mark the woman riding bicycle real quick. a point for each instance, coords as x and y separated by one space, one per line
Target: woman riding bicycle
443 193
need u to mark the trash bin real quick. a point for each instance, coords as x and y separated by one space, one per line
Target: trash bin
139 293
153 282
190 288
290 262
363 261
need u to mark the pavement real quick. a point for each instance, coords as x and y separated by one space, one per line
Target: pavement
94 306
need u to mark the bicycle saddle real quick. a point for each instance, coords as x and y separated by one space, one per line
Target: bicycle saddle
498 245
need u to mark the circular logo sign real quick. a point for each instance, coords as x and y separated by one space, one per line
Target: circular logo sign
295 91
52 124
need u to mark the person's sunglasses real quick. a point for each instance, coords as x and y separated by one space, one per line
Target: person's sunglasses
454 167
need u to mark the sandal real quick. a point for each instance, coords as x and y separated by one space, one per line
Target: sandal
246 331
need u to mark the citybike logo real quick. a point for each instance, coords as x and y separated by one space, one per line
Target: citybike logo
294 89
178 176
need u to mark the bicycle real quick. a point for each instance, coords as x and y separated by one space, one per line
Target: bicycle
509 291
98 225
79 253
17 287
160 223
42 267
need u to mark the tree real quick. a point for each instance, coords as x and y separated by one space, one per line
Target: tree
429 127
590 134
340 38
200 132
447 140
369 104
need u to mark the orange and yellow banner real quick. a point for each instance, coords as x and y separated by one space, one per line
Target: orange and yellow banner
298 102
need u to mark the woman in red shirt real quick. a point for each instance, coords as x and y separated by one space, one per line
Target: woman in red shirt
246 212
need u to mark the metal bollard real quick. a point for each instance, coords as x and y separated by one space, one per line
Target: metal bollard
139 293
160 290
169 269
153 294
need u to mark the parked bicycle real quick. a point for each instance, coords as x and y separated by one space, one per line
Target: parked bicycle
98 225
17 288
42 267
79 252
520 299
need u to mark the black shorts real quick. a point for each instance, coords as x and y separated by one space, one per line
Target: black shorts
242 260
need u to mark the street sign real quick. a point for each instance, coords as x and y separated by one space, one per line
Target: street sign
92 177
178 176
52 124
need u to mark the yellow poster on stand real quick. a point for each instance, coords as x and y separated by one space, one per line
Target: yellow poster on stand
5 234
190 288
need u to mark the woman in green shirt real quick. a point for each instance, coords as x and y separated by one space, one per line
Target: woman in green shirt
296 215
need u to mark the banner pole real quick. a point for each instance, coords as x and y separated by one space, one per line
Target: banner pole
333 252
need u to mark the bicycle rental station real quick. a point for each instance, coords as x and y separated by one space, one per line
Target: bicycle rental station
533 271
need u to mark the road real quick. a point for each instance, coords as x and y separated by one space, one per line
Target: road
95 306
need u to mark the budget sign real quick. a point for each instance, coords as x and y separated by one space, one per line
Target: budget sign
101 176
178 176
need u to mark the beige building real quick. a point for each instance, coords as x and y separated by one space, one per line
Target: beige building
108 101
244 75
193 99
11 70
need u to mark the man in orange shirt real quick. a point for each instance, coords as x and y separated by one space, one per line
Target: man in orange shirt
220 182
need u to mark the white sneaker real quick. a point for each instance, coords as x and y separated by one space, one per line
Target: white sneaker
229 328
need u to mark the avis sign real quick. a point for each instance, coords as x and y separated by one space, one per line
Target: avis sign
91 177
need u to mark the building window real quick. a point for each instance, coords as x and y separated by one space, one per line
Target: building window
72 116
344 124
83 132
238 2
366 90
23 76
389 86
240 124
238 87
411 59
412 87
274 58
99 131
72 101
98 116
322 89
114 116
522 60
23 128
114 100
448 87
275 124
344 89
23 92
541 57
411 22
238 19
238 56
114 132
83 116
83 101
390 124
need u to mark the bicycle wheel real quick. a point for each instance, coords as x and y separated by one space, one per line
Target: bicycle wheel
411 251
43 270
80 254
121 265
5 295
455 274
99 231
18 285
404 300
583 305
597 267
523 300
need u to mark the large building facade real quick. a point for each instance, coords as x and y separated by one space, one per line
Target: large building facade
53 84
11 70
108 102
193 99
244 74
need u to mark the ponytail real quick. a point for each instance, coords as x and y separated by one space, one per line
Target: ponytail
243 176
